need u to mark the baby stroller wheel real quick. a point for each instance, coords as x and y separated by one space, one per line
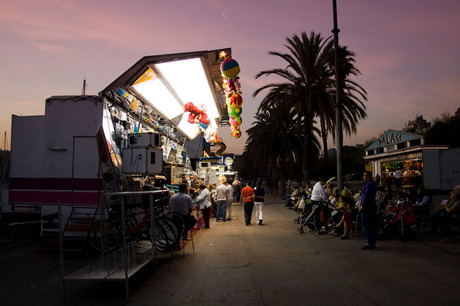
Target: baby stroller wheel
300 231
316 232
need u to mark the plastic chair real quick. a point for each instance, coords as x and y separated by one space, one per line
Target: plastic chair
424 215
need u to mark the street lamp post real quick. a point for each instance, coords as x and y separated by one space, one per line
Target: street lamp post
338 104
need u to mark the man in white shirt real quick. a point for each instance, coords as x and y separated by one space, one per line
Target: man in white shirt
318 194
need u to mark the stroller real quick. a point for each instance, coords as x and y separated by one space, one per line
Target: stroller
397 221
317 218
302 207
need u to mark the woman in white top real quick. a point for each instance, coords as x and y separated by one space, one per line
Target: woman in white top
204 203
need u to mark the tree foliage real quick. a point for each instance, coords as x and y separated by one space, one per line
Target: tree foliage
284 136
445 130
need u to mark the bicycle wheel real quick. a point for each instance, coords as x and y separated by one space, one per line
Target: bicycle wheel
109 242
178 221
161 238
172 231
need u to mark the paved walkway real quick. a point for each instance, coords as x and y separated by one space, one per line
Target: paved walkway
270 264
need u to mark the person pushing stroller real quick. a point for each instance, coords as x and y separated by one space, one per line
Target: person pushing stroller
318 199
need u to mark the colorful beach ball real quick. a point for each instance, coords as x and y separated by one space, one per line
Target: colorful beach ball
234 112
236 133
235 121
230 68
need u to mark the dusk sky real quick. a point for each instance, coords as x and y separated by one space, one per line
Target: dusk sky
407 50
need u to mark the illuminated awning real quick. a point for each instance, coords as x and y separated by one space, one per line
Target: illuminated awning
167 82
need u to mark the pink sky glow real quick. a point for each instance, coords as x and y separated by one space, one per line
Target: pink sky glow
407 51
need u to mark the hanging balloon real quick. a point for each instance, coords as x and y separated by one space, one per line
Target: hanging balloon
236 133
235 121
234 112
230 68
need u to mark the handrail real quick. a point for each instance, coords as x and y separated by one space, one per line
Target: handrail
152 231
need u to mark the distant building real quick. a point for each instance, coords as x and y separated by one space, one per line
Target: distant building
404 160
417 126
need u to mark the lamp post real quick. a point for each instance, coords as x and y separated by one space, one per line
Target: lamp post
338 104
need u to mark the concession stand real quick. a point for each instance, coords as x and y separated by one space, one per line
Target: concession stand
403 160
155 119
152 124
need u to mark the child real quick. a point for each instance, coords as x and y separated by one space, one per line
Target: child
347 221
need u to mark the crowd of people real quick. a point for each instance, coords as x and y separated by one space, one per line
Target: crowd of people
377 208
217 199
374 206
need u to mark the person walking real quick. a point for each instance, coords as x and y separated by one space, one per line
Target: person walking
259 195
213 200
236 191
229 186
222 197
247 197
368 211
204 203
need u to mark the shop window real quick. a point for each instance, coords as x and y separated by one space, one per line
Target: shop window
401 145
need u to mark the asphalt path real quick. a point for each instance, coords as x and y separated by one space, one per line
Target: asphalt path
272 264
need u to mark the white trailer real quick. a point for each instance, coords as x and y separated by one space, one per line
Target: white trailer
55 158
441 168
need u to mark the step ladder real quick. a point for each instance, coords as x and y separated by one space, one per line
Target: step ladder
76 229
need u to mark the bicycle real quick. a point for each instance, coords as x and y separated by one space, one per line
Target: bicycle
168 228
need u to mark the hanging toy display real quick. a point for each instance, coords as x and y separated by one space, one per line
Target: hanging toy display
236 133
210 135
230 70
197 115
234 112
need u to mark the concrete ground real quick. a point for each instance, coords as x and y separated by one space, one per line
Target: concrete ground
234 264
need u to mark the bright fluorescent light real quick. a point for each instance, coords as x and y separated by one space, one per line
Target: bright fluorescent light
188 79
160 97
189 129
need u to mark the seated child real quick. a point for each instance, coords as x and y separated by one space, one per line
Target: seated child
347 221
390 210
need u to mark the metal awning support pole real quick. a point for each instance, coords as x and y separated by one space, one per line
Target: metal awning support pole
338 104
153 237
124 253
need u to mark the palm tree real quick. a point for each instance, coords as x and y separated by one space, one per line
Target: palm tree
352 97
309 89
272 142
307 79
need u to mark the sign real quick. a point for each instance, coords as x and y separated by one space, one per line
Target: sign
393 137
228 161
390 138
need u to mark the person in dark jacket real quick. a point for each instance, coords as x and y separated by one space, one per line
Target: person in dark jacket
368 210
